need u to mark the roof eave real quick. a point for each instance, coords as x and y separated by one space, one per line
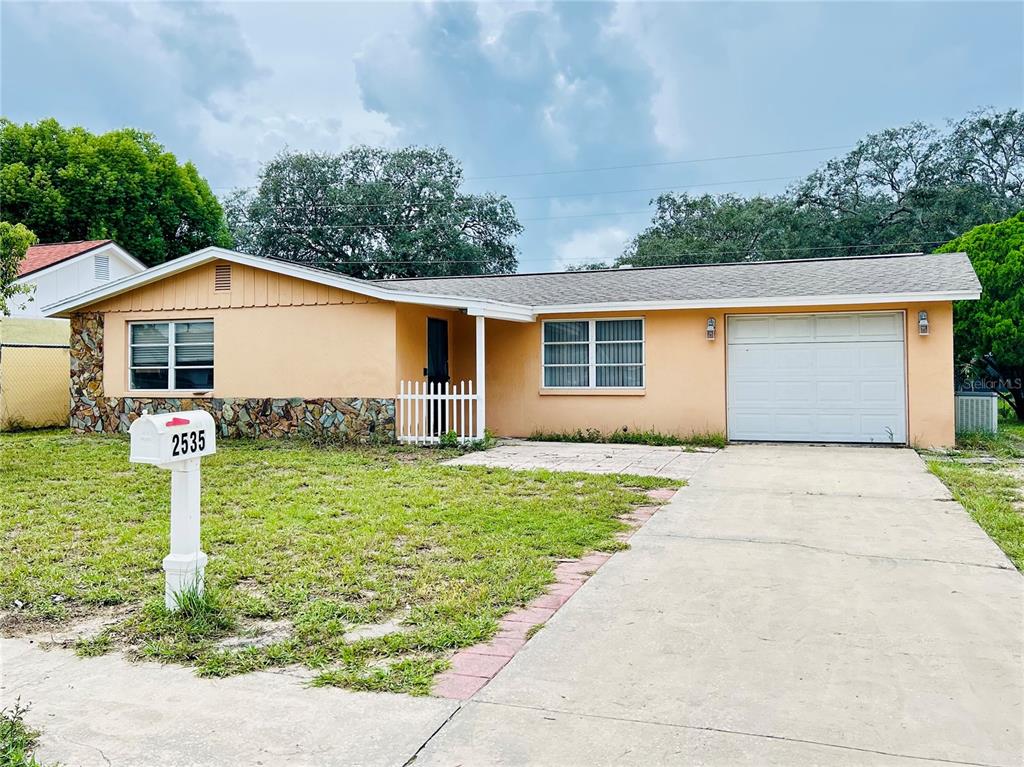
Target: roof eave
756 303
484 307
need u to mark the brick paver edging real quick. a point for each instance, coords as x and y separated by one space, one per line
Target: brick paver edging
473 667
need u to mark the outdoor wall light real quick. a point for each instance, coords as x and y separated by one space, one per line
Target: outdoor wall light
922 323
711 328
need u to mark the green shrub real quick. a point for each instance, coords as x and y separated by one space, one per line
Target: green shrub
625 436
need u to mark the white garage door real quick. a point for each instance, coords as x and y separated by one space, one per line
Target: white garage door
817 377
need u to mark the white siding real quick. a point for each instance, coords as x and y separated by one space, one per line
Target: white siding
69 278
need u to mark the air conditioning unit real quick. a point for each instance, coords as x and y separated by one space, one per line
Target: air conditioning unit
977 411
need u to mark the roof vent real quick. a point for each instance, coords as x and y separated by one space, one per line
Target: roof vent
222 277
101 267
625 266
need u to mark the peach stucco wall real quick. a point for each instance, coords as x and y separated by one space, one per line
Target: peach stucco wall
411 342
274 336
685 388
345 350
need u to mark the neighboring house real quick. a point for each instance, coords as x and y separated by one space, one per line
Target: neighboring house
838 350
34 380
56 271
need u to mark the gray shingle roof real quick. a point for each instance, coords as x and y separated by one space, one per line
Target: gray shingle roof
863 275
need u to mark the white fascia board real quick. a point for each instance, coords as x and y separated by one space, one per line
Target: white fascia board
755 303
485 307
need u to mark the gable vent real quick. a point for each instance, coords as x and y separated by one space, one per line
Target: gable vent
101 267
222 277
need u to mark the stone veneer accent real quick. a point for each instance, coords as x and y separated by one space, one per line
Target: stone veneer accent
356 419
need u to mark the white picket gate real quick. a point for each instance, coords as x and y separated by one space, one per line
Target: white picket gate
427 411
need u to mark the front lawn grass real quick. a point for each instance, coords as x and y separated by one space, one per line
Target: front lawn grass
367 565
993 493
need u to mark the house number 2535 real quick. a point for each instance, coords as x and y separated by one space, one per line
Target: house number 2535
188 442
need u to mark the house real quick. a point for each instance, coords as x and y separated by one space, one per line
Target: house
33 350
56 271
840 350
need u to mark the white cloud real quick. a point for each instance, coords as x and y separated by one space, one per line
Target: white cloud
585 246
643 28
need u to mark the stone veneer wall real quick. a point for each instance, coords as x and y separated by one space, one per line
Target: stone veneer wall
356 419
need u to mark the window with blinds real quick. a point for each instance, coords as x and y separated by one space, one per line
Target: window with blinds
171 355
593 354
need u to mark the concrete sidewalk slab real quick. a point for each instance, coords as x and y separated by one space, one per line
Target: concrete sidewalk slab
671 462
544 737
106 711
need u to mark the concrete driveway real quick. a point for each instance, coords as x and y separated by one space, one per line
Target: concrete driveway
793 606
672 462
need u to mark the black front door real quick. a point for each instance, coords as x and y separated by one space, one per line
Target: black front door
437 369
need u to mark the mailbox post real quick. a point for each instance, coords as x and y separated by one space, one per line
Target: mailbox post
177 441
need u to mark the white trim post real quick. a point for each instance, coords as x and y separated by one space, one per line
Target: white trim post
481 371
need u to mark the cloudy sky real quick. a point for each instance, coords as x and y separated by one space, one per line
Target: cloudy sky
523 93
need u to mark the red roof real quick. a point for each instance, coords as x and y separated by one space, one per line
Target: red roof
41 256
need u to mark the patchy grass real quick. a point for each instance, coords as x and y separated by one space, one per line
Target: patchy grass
1007 443
991 491
320 541
627 437
17 739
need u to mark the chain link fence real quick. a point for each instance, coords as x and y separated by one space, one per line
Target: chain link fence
34 385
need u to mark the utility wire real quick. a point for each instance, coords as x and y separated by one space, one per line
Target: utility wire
439 262
661 164
314 205
637 166
419 224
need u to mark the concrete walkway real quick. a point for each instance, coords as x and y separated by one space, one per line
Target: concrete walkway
792 606
98 712
673 462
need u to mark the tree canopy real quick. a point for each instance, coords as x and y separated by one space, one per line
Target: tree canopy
908 188
70 184
375 213
15 239
989 333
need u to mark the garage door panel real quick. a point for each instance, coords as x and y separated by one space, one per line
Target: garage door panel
818 377
876 393
880 424
883 355
836 327
798 328
888 327
750 328
754 360
837 393
782 392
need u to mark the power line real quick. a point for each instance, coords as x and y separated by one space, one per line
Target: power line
661 164
416 224
637 166
342 205
441 262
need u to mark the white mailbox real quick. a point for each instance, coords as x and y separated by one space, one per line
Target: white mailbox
165 438
177 441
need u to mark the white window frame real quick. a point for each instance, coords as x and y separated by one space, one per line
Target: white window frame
592 363
171 343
